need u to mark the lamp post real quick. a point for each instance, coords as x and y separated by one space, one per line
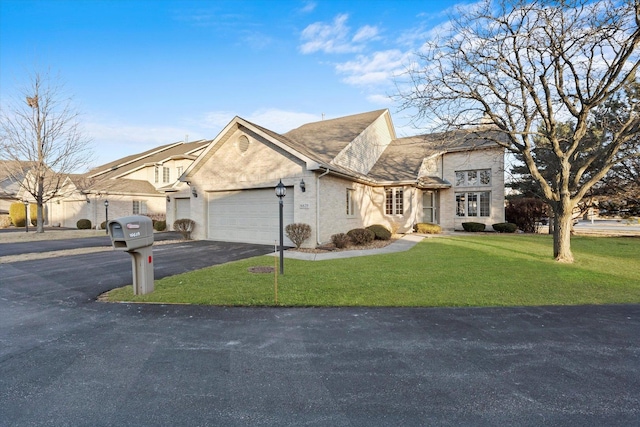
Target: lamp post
26 216
106 216
281 191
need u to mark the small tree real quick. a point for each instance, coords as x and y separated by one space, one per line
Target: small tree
298 233
184 226
41 140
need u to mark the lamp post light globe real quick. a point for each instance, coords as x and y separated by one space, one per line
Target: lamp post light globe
281 190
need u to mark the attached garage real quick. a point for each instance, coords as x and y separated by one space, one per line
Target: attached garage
250 216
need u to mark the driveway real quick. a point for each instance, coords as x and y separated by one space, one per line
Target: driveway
66 359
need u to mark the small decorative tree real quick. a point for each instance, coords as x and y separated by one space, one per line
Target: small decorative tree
184 226
298 233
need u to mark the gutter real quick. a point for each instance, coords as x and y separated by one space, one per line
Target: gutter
318 242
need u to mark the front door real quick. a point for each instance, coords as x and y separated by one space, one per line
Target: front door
429 206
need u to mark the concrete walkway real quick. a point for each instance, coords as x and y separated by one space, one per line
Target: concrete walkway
403 244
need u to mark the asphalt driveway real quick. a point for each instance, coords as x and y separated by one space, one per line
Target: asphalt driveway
66 359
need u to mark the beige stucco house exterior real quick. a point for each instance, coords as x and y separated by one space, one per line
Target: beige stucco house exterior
340 174
132 185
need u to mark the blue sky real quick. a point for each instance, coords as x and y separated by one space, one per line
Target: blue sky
146 73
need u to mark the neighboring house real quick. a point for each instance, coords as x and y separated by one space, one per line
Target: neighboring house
12 172
340 174
132 185
9 185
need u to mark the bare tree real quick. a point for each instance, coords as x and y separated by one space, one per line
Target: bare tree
41 139
527 67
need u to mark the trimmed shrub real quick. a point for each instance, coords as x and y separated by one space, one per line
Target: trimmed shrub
83 224
361 236
340 240
103 225
298 233
184 226
5 221
473 227
380 231
160 225
505 227
16 213
427 228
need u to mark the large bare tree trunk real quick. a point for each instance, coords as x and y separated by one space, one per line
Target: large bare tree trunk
562 223
40 207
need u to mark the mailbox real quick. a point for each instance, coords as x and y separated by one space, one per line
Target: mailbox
131 232
134 234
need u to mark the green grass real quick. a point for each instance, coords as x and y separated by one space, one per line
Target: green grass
487 270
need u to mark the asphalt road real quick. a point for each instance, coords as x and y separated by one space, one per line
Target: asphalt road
66 359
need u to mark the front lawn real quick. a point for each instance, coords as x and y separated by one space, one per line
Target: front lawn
486 270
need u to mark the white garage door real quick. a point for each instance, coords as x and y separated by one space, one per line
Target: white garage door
183 208
249 216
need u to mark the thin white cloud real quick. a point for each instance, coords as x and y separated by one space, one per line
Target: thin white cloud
365 33
308 7
335 37
377 68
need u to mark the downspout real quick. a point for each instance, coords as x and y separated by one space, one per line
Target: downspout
318 242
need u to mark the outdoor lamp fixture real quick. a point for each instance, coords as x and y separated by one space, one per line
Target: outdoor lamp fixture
168 199
26 216
194 193
106 216
303 186
281 191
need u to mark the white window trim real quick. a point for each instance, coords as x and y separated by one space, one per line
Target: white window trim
478 208
395 206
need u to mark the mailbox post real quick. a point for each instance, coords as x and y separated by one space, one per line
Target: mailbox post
134 234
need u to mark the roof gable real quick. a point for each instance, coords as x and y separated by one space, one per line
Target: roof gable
239 123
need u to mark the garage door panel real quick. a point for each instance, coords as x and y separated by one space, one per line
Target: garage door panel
248 216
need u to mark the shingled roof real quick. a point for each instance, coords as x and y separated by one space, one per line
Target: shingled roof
402 159
157 155
325 139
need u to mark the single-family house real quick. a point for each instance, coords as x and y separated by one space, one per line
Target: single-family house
341 174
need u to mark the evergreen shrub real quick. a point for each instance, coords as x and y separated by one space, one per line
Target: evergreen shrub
473 227
83 224
380 231
505 227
